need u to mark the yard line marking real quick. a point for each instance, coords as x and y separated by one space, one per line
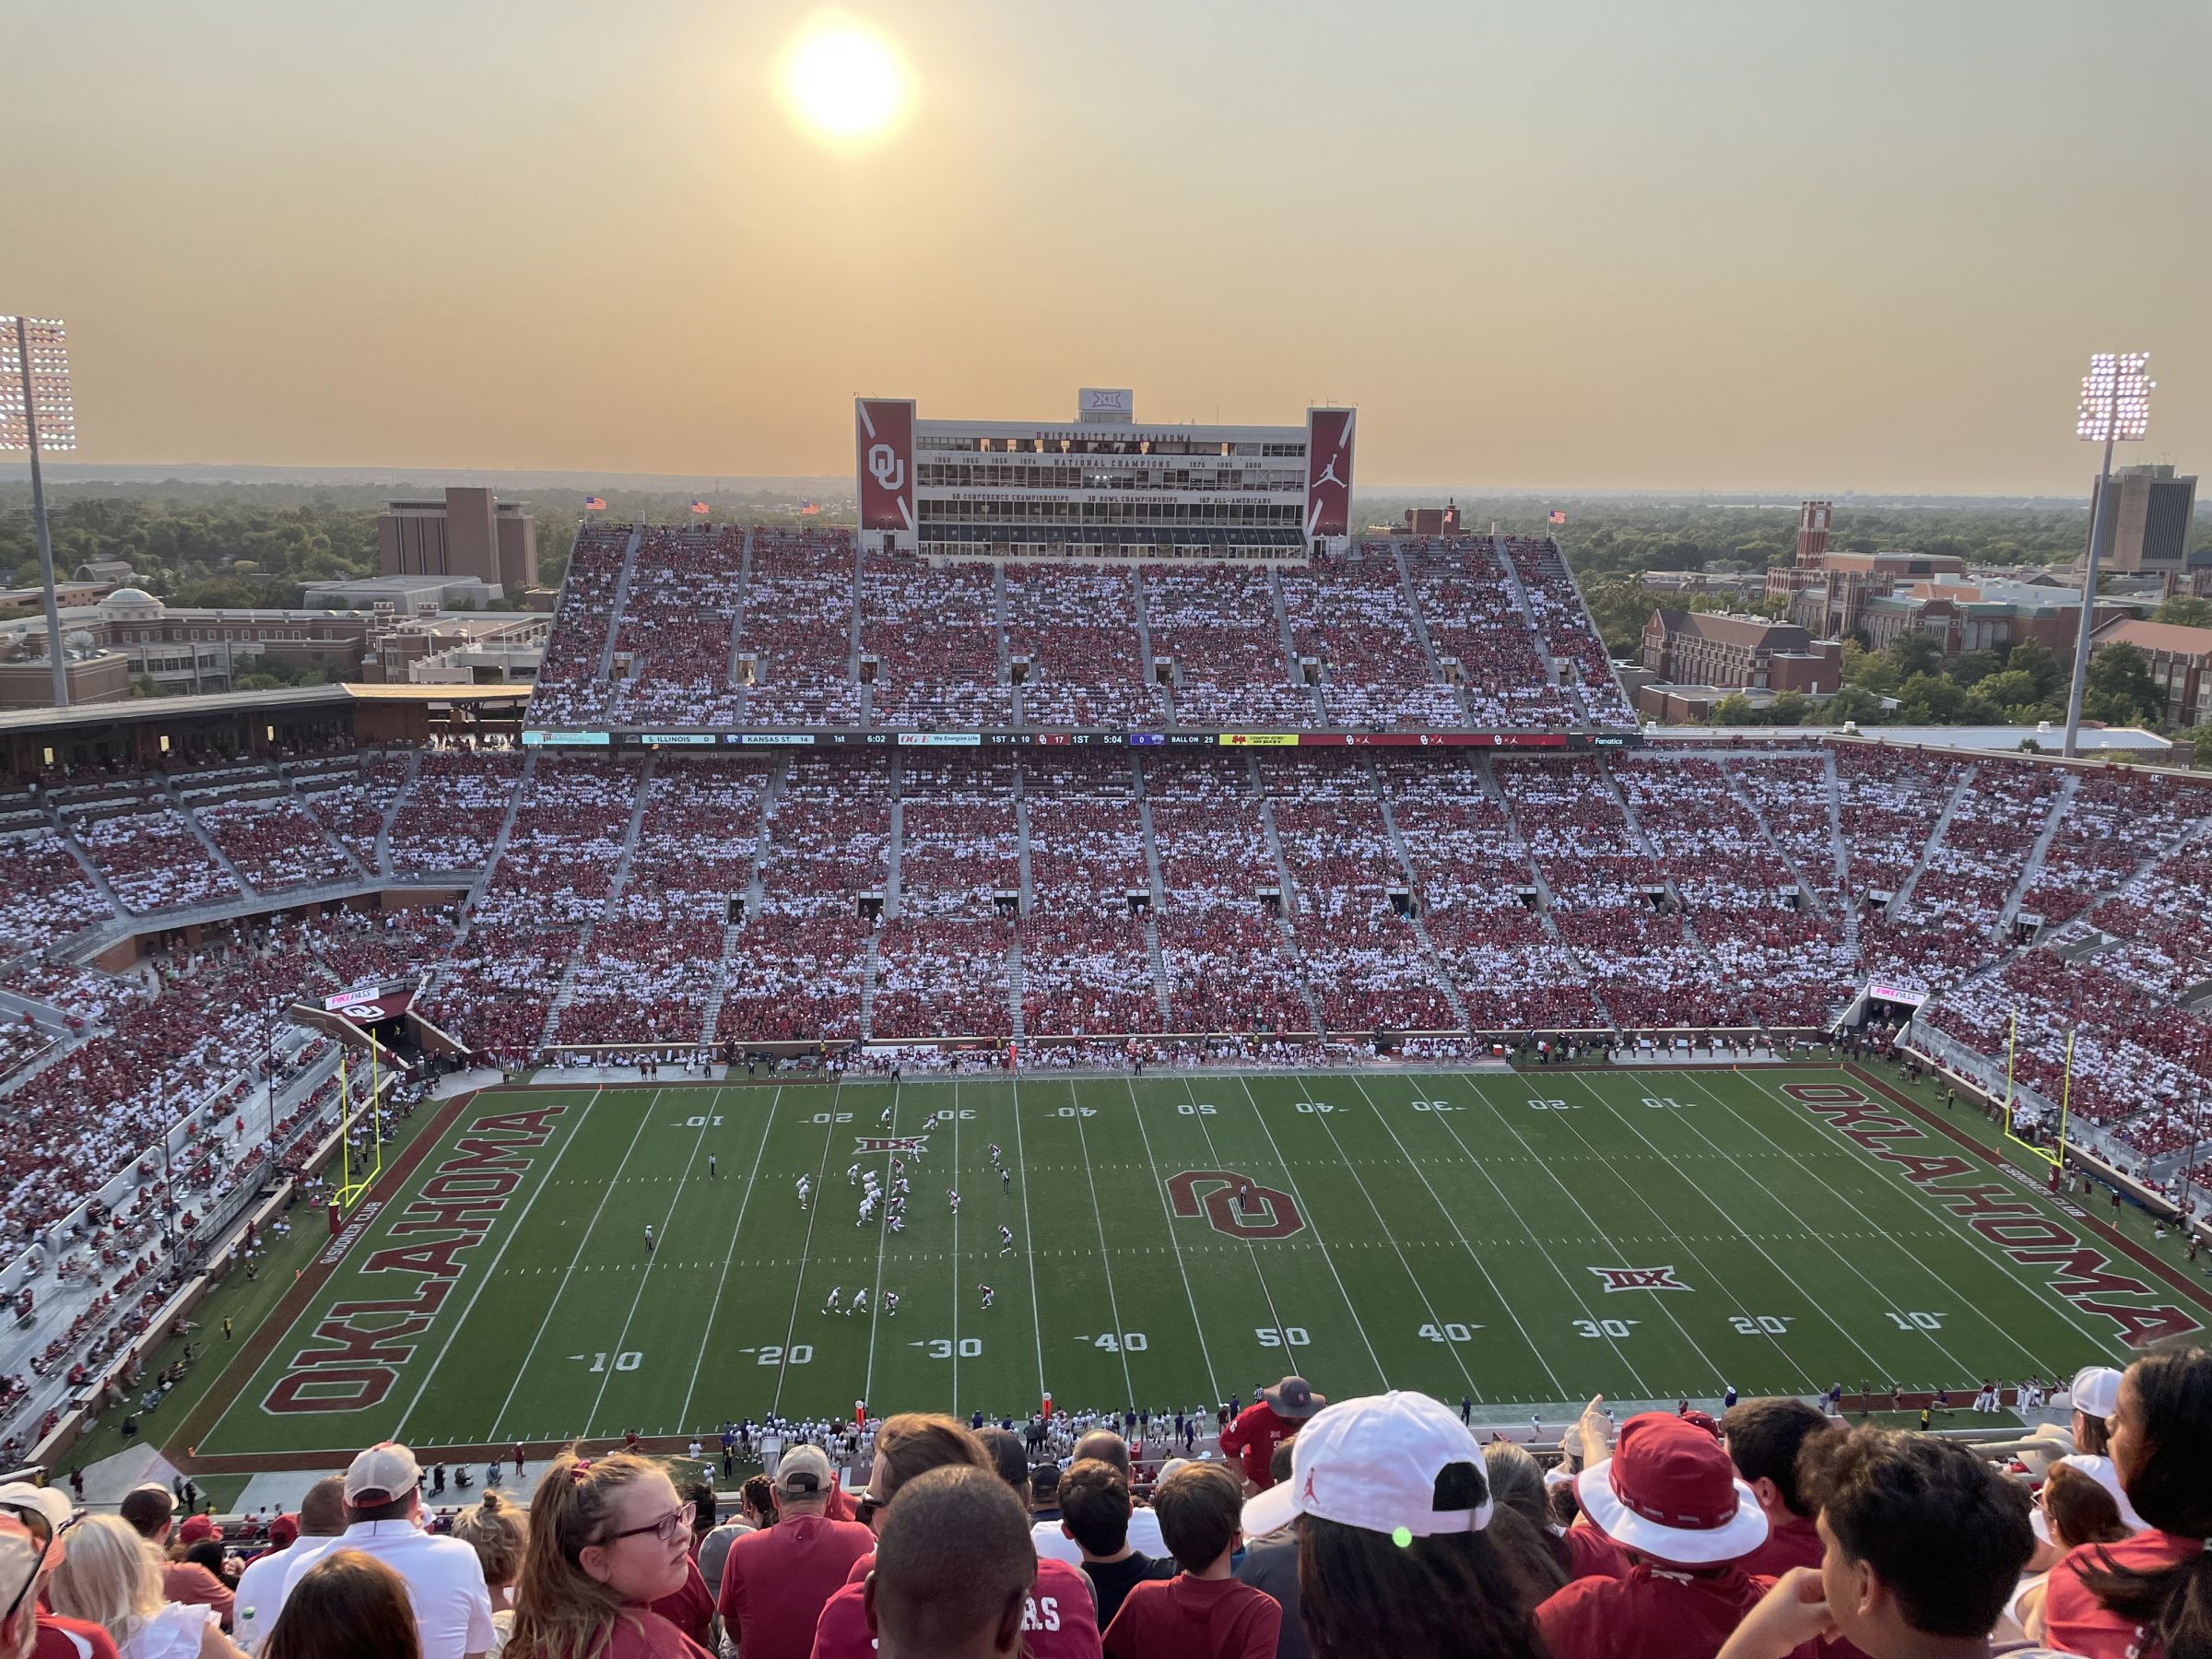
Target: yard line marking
1113 1301
1388 1234
1314 1228
1480 1266
1213 1380
638 1296
883 1241
1213 1156
956 1247
1811 1300
1812 1385
798 1287
707 1331
546 1323
1572 1287
1029 1254
1719 1376
2104 1341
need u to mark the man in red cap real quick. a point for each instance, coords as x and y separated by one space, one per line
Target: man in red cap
1669 1496
1276 1416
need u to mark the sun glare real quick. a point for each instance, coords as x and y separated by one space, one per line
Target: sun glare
843 81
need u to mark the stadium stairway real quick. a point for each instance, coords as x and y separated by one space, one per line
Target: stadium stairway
1289 896
744 582
614 611
1289 647
1536 634
1842 851
608 909
1744 799
1021 843
2069 785
867 993
300 797
1144 653
1496 793
1413 890
1903 896
222 859
1158 891
383 830
1014 986
1420 624
85 862
771 787
892 852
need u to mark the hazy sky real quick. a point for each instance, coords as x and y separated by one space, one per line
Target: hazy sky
1671 243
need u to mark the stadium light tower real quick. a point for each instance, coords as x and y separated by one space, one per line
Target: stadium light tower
2115 405
34 393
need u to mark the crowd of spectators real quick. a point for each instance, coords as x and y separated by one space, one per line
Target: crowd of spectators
1295 1528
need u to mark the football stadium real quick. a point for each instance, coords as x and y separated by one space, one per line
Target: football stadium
1084 1054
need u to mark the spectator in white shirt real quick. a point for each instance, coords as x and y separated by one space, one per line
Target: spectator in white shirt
260 1586
444 1580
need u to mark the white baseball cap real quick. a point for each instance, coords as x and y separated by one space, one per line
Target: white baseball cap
42 1501
384 1474
2096 1391
1372 1463
2106 1474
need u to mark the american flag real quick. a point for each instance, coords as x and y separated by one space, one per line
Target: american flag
595 503
808 509
1558 517
700 507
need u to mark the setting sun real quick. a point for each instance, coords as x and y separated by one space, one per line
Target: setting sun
843 81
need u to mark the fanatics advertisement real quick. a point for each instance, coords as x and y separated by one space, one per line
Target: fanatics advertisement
1329 472
884 438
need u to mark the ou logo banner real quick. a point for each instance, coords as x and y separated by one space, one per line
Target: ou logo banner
1268 1214
886 468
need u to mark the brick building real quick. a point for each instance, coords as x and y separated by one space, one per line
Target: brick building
2180 661
471 533
1751 654
1963 615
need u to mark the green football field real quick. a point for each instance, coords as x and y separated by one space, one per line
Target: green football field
1525 1238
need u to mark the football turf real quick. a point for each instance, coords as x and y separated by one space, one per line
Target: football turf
1526 1240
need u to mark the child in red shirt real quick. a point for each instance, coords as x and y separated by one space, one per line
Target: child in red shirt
1203 1612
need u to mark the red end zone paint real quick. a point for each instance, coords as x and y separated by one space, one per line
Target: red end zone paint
1999 1211
349 1364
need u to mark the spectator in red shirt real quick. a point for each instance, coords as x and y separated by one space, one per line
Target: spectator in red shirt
1396 1556
609 1537
1057 1618
1203 1612
1276 1415
1764 1438
1669 1495
1923 1544
775 1580
954 1569
2153 1591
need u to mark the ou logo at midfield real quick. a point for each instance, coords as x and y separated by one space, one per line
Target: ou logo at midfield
886 468
1271 1215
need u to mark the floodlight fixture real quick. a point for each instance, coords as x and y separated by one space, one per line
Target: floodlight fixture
2114 408
37 413
2115 398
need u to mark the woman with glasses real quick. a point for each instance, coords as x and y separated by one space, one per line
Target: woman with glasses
608 1537
112 1577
